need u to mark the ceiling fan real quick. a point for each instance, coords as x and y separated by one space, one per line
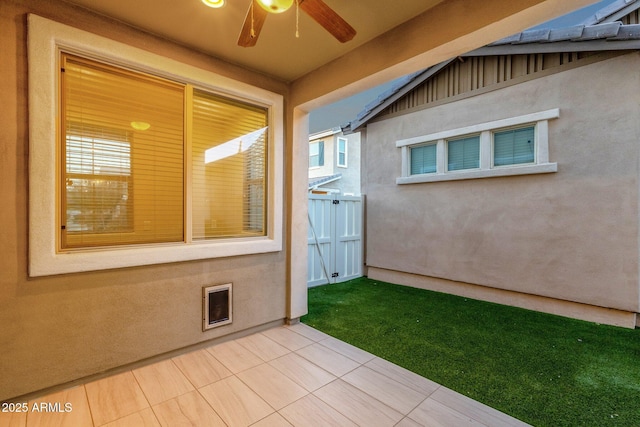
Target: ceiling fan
316 9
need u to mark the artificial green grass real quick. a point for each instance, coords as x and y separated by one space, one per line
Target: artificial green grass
542 369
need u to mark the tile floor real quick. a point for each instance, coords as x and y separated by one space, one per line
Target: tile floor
285 376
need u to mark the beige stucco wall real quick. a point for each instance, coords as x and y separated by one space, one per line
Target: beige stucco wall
60 328
570 235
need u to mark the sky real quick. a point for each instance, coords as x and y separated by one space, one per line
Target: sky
342 112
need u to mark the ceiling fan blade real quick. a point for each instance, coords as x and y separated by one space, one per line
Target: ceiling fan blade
252 25
329 19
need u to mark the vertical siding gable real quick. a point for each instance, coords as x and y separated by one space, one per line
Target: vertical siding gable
470 74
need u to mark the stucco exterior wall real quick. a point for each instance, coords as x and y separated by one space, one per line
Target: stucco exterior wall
568 236
60 328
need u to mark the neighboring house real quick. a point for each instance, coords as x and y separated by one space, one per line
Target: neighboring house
334 162
511 173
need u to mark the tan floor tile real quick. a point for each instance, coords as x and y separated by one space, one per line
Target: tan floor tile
187 410
404 376
64 408
162 381
313 412
473 409
327 359
273 386
358 406
432 413
288 338
144 418
273 420
235 402
308 332
408 422
348 350
264 347
115 397
201 368
307 374
13 419
398 396
234 357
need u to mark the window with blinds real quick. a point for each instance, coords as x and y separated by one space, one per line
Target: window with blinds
423 159
512 146
134 168
515 146
463 153
229 153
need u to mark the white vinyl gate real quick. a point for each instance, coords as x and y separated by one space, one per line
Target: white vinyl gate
334 239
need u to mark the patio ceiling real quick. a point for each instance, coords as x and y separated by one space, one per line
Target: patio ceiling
215 31
391 41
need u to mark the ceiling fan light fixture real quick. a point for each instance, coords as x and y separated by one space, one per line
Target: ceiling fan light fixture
213 3
275 6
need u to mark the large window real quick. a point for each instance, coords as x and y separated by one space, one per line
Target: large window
514 146
137 159
125 140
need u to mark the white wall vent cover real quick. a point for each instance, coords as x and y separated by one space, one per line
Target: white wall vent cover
217 307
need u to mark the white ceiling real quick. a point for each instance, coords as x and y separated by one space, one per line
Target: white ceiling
278 52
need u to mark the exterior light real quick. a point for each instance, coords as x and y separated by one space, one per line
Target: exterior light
275 6
213 3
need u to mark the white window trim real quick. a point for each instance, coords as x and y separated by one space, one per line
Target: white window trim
346 142
487 170
45 40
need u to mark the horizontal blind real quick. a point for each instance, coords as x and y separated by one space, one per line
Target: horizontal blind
463 153
122 156
229 167
423 159
514 146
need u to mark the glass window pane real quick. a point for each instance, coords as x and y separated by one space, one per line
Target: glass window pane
463 153
229 167
342 152
316 154
513 147
122 156
423 159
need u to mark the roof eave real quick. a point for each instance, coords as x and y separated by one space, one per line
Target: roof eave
557 47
